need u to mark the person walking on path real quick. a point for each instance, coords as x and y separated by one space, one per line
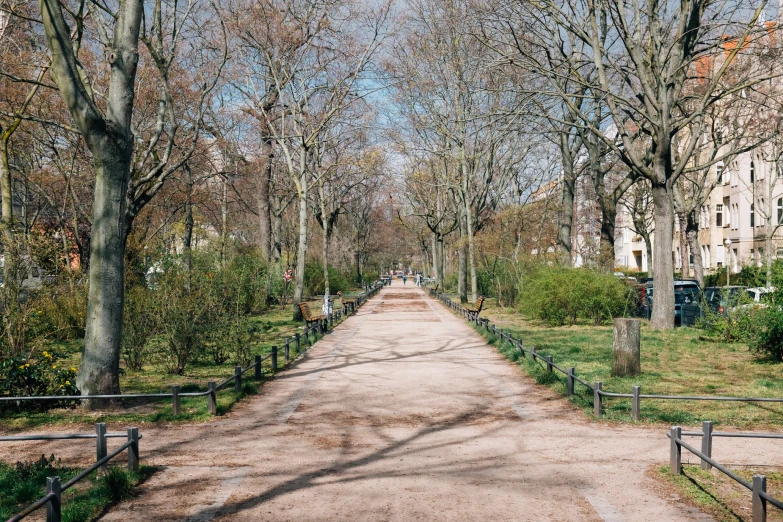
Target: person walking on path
404 279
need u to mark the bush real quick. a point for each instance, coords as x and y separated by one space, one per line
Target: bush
767 325
314 279
558 295
736 324
140 326
36 374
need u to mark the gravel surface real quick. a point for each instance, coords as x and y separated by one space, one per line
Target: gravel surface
402 413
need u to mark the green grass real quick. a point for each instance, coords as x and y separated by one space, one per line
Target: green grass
273 326
718 495
674 362
22 484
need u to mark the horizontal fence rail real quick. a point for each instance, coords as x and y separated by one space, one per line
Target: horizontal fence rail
599 394
54 489
757 487
213 388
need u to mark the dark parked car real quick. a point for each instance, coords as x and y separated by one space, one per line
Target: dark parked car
718 298
686 291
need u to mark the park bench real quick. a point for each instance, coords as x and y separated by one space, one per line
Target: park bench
308 316
472 313
347 302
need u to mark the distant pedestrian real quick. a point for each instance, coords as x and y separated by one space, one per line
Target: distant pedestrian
418 279
404 279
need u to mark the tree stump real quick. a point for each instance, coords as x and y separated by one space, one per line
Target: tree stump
626 354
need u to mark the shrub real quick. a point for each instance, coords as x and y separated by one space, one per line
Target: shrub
140 326
117 483
735 324
314 279
36 374
558 295
767 327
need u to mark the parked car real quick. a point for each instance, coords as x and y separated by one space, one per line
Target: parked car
720 298
686 291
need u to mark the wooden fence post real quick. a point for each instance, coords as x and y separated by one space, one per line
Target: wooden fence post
706 443
133 450
175 402
636 404
54 506
675 451
211 398
597 399
100 441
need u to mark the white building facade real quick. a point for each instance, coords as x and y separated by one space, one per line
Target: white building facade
744 207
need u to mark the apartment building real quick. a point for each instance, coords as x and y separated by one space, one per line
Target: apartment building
744 207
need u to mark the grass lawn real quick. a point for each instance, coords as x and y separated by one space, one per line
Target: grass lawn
21 484
718 495
674 362
273 326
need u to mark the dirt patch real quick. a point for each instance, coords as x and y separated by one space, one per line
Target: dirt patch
406 295
414 306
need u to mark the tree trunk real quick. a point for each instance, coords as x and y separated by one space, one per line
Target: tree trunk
606 242
7 218
265 219
277 246
565 216
663 301
325 257
768 250
684 259
462 283
187 240
302 250
471 255
224 223
692 233
99 369
435 271
648 246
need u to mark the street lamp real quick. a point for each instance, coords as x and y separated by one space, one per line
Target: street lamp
727 242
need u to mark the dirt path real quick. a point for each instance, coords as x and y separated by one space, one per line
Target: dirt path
402 413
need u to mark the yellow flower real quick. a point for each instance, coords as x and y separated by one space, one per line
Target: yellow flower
68 383
27 365
21 367
72 369
54 367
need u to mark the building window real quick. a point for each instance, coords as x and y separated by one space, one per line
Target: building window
719 254
780 211
752 173
752 216
719 173
719 213
706 262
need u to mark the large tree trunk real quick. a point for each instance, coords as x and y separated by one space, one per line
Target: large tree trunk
301 251
264 217
99 369
692 233
565 215
663 300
